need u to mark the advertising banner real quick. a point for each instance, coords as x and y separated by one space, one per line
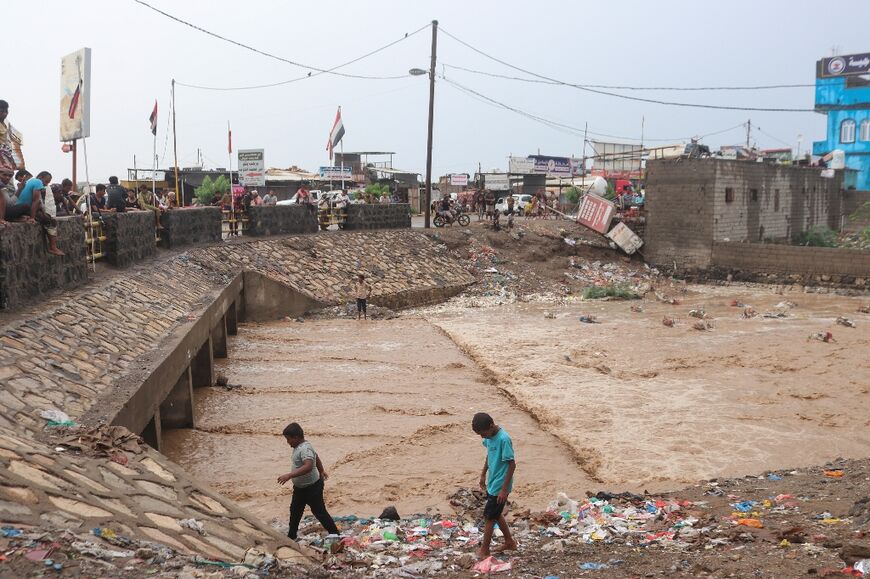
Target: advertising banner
496 181
459 180
596 213
336 173
252 168
75 95
543 165
848 65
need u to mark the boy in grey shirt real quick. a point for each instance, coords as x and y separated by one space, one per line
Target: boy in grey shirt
307 476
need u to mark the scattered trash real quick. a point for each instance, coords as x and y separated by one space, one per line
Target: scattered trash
593 566
550 315
844 321
105 441
589 319
668 300
773 476
669 322
192 524
637 309
10 532
390 514
834 473
864 309
56 418
95 550
735 303
754 523
703 325
699 313
749 312
822 337
492 565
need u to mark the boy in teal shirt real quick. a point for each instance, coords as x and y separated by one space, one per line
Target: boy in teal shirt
500 466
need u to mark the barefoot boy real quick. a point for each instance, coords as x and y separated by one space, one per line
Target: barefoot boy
307 476
500 465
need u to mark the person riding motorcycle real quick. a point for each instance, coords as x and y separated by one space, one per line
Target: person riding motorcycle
444 209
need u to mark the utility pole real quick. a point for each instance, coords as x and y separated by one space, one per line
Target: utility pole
431 122
748 132
179 196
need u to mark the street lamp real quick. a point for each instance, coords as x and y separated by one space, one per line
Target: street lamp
431 72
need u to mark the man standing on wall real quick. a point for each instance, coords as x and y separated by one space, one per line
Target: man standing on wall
116 196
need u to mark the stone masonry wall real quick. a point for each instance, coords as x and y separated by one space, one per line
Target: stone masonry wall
378 216
281 220
852 201
98 337
129 237
190 226
27 269
813 264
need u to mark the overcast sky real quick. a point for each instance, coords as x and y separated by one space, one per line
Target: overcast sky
136 53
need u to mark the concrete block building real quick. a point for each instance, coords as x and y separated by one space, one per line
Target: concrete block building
843 94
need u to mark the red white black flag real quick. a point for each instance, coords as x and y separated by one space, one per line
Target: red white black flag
153 119
336 133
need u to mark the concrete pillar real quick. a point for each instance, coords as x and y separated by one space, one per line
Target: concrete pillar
202 366
152 432
219 339
232 319
177 410
241 312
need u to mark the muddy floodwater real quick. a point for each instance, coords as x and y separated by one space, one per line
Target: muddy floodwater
625 404
387 404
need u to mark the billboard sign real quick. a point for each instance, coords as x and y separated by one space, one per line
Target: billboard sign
459 180
496 181
617 160
543 165
596 213
75 95
252 168
336 173
848 65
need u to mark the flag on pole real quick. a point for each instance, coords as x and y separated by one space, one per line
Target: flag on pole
229 139
153 119
74 101
336 133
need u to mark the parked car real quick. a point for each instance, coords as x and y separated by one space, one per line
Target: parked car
520 203
315 198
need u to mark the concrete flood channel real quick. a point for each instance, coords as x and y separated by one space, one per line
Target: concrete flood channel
388 405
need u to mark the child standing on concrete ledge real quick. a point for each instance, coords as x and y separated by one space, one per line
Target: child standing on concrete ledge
500 466
307 476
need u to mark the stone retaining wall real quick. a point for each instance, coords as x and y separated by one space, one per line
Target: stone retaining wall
378 216
27 270
190 226
281 220
129 237
752 261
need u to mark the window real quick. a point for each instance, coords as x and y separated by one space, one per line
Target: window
847 131
754 194
729 194
776 199
865 130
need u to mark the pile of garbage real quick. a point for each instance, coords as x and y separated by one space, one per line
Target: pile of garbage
611 273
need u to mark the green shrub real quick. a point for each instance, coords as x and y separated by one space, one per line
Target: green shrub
206 192
818 236
596 292
573 194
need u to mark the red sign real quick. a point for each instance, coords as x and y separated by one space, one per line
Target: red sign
596 213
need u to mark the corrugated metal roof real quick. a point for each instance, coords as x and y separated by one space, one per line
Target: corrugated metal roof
392 171
293 176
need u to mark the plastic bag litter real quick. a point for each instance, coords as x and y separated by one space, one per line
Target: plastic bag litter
492 565
564 503
95 550
57 417
192 524
593 566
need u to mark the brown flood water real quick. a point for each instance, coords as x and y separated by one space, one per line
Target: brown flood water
387 404
627 404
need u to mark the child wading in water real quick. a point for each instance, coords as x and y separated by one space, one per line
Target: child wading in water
307 476
500 467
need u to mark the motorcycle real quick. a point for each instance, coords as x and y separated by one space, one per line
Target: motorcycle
458 217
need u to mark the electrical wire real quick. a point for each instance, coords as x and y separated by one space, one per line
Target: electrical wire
281 58
618 87
772 137
575 131
622 96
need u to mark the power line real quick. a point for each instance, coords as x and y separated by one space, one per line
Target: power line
268 54
575 131
311 75
618 87
757 128
622 96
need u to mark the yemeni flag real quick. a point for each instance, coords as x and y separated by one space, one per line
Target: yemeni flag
336 133
74 101
153 120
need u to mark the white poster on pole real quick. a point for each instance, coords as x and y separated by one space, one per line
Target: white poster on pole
252 168
75 95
